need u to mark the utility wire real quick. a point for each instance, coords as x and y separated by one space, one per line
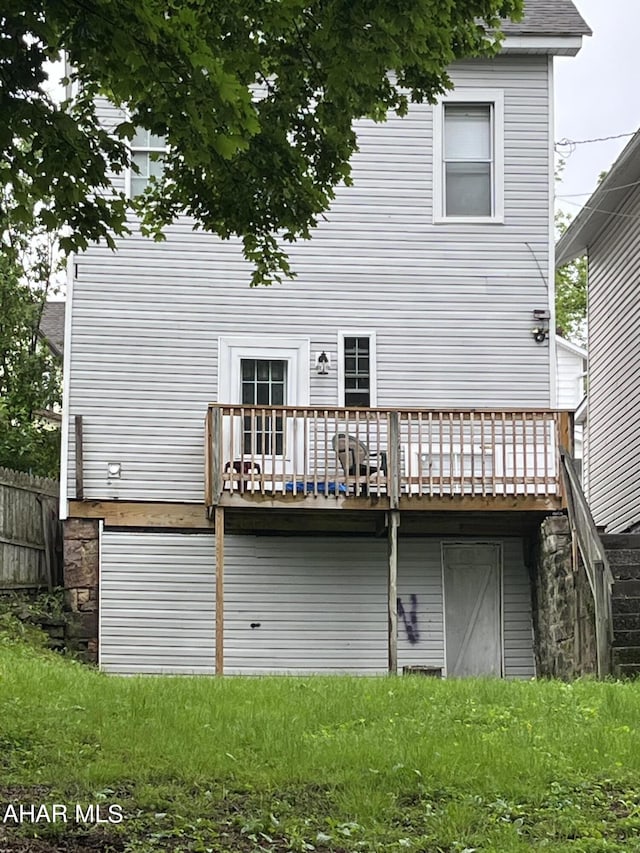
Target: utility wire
595 139
602 210
609 190
566 147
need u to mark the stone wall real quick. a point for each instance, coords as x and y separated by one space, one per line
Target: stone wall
81 577
565 640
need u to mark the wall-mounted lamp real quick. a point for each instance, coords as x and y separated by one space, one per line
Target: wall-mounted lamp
541 331
114 470
322 363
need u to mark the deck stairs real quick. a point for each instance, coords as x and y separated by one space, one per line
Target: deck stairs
623 554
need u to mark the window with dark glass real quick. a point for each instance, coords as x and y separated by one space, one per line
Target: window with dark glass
357 372
264 383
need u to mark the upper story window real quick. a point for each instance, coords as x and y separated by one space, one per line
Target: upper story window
147 153
469 157
357 369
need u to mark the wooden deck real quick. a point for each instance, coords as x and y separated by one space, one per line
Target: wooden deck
384 459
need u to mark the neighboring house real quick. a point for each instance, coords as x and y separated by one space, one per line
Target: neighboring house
344 473
52 326
51 331
571 379
606 230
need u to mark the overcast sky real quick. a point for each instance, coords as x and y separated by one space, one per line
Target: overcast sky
598 94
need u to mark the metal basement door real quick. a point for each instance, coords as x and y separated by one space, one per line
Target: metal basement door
472 609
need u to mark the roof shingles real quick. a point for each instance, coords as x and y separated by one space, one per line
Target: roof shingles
548 18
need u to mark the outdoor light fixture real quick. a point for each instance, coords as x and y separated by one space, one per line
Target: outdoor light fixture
541 331
322 364
114 470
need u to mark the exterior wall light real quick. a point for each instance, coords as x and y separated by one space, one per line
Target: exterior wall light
541 331
322 364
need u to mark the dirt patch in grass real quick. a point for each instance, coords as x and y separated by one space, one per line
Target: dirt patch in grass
68 844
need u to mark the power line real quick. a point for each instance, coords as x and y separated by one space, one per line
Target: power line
563 142
602 210
609 190
566 147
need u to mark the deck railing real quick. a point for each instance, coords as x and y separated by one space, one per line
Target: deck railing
391 453
594 559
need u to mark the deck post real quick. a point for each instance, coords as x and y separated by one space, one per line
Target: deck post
79 458
566 431
216 455
393 463
219 523
393 522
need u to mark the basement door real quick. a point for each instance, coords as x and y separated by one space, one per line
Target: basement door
472 577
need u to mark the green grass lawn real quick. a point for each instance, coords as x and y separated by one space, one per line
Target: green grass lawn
326 764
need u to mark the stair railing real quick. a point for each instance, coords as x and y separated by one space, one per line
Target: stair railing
585 534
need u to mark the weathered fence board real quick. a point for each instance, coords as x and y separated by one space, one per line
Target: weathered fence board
29 553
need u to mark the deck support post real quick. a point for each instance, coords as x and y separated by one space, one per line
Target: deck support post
219 524
393 522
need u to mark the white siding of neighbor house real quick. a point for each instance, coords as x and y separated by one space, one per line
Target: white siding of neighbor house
570 379
614 370
451 305
572 367
317 605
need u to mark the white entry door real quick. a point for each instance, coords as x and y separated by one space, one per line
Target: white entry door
473 609
273 372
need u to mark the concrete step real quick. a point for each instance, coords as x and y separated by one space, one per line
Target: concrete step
625 622
623 556
625 605
625 572
626 588
626 670
618 541
627 638
628 655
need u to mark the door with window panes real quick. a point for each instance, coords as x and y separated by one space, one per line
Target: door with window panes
264 383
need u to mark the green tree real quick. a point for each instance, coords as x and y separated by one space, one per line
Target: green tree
30 374
256 100
571 293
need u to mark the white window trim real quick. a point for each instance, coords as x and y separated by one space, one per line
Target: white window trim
136 149
295 351
495 98
373 363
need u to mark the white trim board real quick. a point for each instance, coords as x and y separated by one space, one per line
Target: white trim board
296 351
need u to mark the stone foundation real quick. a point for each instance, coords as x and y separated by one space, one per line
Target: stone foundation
565 638
81 578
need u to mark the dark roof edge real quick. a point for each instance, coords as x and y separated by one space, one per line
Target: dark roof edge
607 197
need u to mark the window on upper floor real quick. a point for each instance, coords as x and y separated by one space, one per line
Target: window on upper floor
469 157
147 153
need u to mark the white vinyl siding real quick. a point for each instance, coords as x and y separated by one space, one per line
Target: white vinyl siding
293 605
450 305
157 603
570 377
614 369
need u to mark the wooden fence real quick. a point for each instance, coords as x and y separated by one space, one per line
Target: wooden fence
29 532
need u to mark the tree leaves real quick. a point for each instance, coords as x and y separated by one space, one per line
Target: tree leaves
256 100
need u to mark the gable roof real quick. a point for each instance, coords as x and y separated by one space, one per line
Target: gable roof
608 198
569 346
548 18
52 326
